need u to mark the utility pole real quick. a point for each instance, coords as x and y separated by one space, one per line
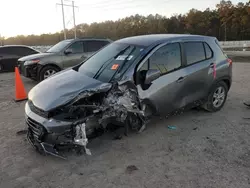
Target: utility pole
225 31
73 7
64 30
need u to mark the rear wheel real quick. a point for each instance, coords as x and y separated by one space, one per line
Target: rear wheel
47 71
217 97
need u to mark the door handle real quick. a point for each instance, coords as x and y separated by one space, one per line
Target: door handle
180 79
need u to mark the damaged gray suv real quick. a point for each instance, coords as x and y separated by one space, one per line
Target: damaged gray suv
123 85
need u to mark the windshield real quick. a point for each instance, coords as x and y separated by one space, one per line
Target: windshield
59 46
109 61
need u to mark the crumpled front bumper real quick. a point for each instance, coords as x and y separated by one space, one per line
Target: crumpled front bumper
42 132
29 71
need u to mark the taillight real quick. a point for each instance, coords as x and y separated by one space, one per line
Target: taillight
229 61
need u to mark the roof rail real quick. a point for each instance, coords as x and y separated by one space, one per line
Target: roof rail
92 38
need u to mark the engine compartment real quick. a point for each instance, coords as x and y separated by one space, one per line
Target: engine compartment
118 107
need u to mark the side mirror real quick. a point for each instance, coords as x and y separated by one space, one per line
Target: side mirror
68 51
151 75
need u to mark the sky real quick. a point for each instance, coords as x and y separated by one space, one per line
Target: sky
25 17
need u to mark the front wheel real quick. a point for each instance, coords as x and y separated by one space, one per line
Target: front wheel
217 97
47 71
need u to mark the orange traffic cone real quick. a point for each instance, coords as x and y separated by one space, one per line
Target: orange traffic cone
20 90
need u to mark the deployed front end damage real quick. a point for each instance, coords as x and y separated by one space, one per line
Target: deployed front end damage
86 116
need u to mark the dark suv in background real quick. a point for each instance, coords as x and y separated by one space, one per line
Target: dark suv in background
64 54
9 55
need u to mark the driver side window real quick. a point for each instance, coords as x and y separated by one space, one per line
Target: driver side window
76 47
166 59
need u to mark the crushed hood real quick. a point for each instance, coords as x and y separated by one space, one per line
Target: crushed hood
62 88
35 56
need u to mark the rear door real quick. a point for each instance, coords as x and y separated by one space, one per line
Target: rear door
91 46
199 69
24 51
9 58
166 92
76 55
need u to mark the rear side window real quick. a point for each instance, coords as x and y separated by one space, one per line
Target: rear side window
209 53
17 51
24 51
194 52
167 58
4 51
93 46
76 47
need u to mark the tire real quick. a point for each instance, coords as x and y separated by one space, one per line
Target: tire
47 71
215 99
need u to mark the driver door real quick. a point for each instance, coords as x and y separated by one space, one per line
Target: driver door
166 93
73 55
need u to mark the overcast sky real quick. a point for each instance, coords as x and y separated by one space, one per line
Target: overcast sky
44 16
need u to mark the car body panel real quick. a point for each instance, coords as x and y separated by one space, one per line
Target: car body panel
71 60
165 92
61 89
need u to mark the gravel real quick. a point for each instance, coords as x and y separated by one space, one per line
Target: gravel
205 150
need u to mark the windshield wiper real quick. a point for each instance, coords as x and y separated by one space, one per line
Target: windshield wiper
121 52
99 70
123 64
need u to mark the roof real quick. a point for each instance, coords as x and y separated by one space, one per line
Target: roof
147 40
14 46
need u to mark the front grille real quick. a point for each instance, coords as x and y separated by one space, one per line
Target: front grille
35 128
38 111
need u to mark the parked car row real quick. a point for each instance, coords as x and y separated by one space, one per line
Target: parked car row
39 66
64 54
11 53
125 83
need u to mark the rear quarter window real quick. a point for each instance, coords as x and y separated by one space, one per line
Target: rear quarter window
93 46
194 52
209 52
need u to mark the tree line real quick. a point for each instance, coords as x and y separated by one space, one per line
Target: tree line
226 22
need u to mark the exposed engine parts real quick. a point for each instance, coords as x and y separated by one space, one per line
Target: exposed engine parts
118 107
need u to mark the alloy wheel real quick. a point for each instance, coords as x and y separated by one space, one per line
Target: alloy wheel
49 73
219 97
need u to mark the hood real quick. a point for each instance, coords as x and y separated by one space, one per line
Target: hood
35 56
62 88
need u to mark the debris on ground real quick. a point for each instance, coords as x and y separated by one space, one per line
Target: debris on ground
131 168
172 127
170 148
22 132
117 137
195 128
247 104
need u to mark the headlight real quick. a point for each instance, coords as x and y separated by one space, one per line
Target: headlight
30 62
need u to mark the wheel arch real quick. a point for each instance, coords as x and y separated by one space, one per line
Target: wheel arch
225 79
